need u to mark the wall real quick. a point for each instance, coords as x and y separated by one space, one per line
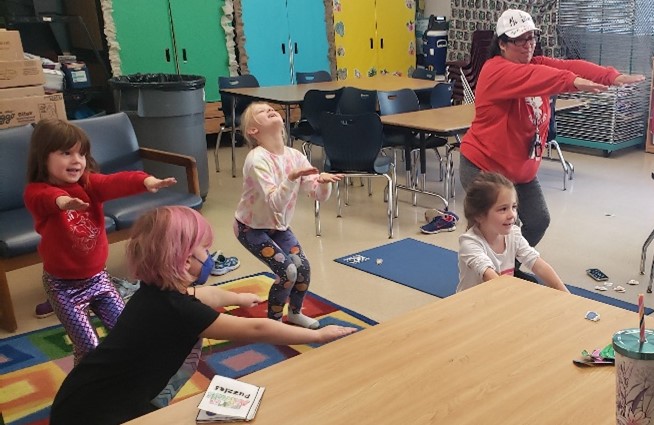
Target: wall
438 8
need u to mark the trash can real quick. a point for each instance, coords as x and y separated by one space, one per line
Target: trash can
167 112
435 49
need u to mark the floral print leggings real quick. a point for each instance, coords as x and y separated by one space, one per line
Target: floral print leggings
281 251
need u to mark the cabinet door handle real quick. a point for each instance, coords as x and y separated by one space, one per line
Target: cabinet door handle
167 55
184 54
381 43
371 43
283 49
295 48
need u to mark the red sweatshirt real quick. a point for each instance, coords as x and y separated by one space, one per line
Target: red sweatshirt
510 101
74 243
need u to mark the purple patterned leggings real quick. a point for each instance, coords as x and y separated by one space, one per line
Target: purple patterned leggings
281 251
72 298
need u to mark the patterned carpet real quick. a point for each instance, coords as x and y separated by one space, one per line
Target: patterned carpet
33 365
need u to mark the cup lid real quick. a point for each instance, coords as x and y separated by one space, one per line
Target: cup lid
627 343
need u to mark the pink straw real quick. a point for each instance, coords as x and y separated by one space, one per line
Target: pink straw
641 316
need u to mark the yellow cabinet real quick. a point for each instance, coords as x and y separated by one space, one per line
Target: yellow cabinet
374 37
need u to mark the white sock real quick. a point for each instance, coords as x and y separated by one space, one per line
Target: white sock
300 319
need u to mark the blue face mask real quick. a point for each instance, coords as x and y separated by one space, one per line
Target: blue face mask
205 271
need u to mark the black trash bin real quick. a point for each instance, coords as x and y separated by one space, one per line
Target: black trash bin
167 112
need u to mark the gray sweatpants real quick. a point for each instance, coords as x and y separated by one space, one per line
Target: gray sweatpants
532 209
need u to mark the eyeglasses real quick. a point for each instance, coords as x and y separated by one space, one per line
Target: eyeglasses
523 42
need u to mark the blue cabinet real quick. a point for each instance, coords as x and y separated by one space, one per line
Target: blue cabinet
283 37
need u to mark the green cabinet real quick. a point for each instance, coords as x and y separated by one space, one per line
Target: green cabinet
283 37
172 37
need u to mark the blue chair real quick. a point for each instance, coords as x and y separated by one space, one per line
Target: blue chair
308 130
312 77
353 144
357 101
397 102
233 110
423 94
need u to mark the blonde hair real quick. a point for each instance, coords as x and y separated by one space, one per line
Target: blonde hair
249 120
161 242
482 194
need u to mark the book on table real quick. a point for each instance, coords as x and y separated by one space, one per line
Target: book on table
227 399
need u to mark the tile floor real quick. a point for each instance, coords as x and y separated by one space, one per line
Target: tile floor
601 221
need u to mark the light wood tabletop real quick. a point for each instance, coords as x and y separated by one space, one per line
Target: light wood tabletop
499 353
294 93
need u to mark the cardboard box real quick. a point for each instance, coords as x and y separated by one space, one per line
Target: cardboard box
11 47
20 73
26 110
21 92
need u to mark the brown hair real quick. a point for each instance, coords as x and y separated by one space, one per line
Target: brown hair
52 135
482 194
248 120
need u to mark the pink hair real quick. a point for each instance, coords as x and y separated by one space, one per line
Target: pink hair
162 241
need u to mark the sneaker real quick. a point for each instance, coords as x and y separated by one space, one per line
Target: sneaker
224 264
440 223
431 214
125 288
43 310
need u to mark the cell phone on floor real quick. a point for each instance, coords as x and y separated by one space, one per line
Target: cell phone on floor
597 274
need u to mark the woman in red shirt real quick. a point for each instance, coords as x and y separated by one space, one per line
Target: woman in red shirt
512 112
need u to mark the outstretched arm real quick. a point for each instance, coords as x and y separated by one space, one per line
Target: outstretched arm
270 331
216 297
547 274
153 184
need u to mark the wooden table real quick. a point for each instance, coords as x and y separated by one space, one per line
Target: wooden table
499 353
442 122
294 94
446 122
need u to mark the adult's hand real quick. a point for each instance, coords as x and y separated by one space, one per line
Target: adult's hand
583 84
623 79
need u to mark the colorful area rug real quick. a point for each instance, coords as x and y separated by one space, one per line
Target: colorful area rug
33 365
434 270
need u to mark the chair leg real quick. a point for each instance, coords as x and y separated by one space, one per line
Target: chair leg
566 165
390 209
317 217
643 252
215 153
651 278
338 198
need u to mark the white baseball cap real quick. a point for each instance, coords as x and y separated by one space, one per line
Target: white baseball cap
514 23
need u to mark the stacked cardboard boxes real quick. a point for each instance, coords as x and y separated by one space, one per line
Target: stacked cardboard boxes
22 98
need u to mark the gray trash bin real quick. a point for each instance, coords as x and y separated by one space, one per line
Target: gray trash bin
167 112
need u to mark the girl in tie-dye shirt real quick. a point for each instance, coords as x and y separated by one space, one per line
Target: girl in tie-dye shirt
273 174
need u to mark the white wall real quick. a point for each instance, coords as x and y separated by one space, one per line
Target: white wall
438 8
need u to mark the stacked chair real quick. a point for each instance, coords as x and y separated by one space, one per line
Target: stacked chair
459 71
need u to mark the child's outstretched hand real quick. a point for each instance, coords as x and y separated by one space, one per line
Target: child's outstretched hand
248 300
153 184
68 203
301 172
329 178
332 332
